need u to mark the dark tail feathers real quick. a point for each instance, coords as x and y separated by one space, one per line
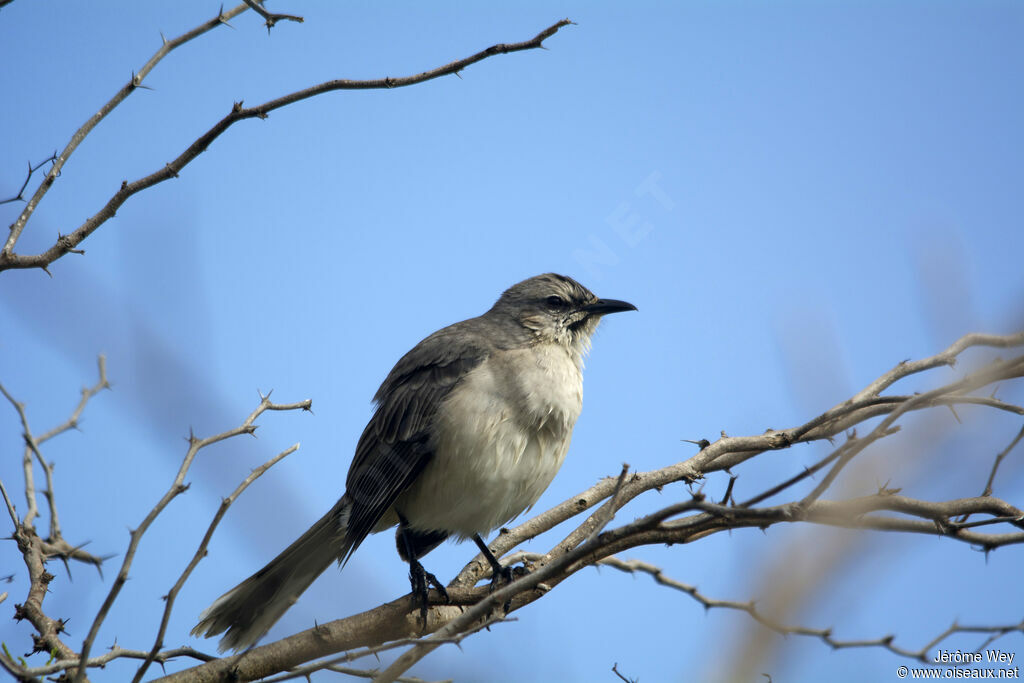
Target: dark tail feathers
247 611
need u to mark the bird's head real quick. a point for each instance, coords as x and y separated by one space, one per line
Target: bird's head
556 308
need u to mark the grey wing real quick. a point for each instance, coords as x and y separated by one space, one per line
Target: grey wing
395 446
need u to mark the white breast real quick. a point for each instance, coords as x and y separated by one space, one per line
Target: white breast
501 436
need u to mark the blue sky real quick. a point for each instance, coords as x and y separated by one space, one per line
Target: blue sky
796 196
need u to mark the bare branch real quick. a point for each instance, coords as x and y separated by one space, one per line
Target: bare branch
7 255
825 634
28 176
201 553
999 523
114 653
597 522
271 19
987 491
332 663
177 487
10 506
9 260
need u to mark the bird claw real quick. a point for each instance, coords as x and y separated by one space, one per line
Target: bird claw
421 581
502 577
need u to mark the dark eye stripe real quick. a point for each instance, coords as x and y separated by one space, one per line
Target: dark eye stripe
556 302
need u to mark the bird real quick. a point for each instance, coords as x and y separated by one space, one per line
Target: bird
470 427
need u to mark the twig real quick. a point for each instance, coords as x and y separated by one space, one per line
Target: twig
825 634
9 260
615 670
28 176
10 506
201 553
177 487
987 491
36 551
332 663
998 369
270 18
808 472
114 653
678 523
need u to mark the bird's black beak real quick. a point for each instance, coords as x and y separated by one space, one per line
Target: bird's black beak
606 306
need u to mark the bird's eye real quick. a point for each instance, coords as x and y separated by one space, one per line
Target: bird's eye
556 302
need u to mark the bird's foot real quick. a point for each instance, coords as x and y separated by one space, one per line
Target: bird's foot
502 575
421 581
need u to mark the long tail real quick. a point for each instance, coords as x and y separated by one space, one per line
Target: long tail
247 611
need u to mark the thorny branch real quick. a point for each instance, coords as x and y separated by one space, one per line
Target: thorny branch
592 542
534 580
271 19
690 520
65 244
200 553
825 634
36 551
20 197
177 487
68 243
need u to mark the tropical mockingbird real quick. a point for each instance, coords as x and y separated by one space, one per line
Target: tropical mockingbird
471 426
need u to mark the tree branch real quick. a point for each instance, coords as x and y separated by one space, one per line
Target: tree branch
824 634
201 553
271 19
66 243
178 487
8 259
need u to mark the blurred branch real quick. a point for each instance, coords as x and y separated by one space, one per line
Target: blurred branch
825 634
334 663
114 653
67 243
987 491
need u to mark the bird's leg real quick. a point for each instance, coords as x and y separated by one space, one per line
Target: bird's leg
500 571
419 578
